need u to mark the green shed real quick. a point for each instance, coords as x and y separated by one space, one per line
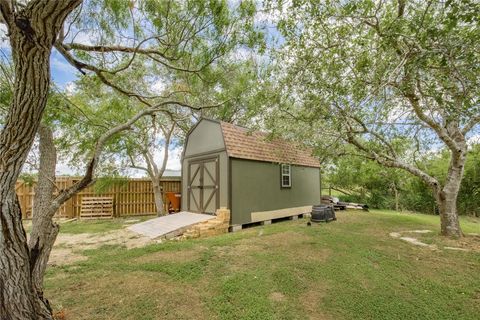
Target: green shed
224 165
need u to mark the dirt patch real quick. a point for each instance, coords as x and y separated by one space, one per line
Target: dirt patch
286 240
282 239
137 297
84 241
244 248
238 257
277 297
171 256
68 247
61 256
466 244
293 246
309 253
311 301
291 240
476 296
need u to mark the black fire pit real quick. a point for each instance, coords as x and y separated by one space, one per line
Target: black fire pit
322 213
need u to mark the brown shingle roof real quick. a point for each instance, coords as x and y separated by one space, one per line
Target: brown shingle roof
240 143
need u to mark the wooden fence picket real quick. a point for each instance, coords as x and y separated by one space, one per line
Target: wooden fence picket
134 197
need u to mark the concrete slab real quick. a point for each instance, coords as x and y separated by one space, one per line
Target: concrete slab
158 227
236 228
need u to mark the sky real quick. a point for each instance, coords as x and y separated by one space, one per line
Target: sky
63 75
62 72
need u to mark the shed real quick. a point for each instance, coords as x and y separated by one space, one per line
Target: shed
224 165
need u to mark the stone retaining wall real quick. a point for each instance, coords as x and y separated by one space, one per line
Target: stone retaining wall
212 227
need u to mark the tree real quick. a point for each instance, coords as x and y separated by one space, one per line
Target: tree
365 181
46 203
229 83
32 33
149 138
378 74
185 37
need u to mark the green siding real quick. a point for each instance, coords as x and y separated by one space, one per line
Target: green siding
205 138
256 187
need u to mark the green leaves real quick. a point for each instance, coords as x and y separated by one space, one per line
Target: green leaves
361 57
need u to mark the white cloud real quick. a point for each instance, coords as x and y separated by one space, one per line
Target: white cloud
83 37
62 65
475 139
70 87
173 162
158 86
64 169
174 159
4 42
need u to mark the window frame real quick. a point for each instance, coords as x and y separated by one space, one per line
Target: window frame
282 175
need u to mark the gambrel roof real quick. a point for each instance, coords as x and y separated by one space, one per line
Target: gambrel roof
243 144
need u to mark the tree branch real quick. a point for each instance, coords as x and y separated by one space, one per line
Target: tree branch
133 165
88 177
470 124
168 136
441 132
6 10
394 163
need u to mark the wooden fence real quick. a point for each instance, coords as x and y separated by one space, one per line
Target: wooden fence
130 197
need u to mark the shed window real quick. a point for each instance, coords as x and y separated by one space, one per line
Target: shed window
286 176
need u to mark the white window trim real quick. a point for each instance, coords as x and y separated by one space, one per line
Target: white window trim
289 175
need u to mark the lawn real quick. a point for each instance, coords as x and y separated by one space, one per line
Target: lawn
94 226
348 269
99 226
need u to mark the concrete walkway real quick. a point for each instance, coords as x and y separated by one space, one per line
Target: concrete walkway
161 226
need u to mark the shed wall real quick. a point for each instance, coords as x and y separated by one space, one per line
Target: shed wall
206 137
256 188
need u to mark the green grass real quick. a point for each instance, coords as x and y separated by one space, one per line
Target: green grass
97 226
348 269
94 226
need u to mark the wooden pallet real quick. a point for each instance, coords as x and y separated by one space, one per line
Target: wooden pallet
96 208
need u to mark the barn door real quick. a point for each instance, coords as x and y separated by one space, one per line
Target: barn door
203 186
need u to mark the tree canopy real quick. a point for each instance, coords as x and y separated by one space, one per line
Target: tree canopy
393 79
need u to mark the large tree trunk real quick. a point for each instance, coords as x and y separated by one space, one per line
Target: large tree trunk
18 298
447 205
447 197
32 32
44 230
158 197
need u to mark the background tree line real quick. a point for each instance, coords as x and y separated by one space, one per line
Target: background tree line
385 188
